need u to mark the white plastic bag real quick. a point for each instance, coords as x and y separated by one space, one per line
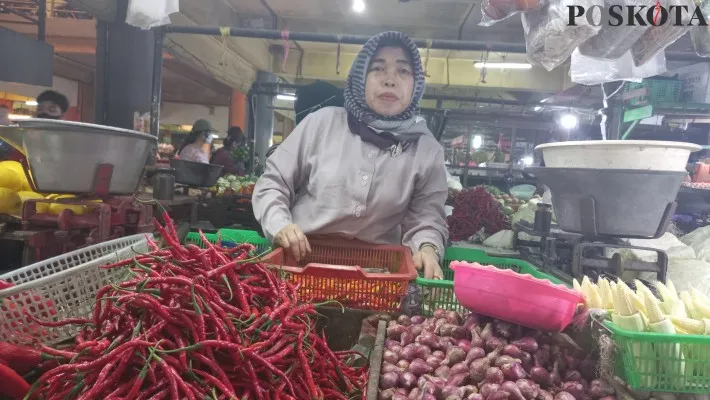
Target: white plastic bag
613 42
549 39
674 248
146 14
699 240
700 35
500 240
590 71
493 11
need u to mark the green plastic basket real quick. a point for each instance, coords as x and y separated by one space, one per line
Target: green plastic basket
651 361
194 238
231 237
245 236
440 293
658 90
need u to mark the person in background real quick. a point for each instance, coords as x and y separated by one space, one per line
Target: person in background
224 157
4 115
371 170
241 147
192 148
51 105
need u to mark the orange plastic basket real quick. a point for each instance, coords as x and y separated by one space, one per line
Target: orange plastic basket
359 275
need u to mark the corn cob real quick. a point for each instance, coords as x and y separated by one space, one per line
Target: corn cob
606 294
694 327
627 316
635 299
690 306
700 302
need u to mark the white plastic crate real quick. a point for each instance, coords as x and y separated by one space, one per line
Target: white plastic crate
61 287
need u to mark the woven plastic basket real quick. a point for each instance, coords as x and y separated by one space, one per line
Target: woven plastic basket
61 287
356 274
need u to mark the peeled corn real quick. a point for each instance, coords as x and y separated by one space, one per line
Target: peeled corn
606 294
694 327
689 305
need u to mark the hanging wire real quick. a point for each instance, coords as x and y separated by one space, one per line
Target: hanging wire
225 32
337 57
284 36
426 59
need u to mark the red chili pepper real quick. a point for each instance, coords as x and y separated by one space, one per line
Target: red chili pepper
22 359
12 385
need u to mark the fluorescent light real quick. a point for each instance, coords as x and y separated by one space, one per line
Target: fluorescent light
359 6
528 160
568 121
286 97
477 142
538 108
18 116
31 103
501 65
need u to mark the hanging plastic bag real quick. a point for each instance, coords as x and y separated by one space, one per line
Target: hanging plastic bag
700 35
146 14
612 42
548 37
657 38
591 71
493 11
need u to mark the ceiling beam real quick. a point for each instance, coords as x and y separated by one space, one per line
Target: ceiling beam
442 73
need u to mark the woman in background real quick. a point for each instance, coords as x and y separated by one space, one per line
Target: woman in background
224 156
192 148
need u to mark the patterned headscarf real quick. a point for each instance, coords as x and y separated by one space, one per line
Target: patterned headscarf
355 101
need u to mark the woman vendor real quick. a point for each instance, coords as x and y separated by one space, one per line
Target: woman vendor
370 171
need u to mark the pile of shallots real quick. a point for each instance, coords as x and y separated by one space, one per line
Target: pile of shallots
454 357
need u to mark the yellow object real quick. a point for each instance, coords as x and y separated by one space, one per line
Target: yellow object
671 288
20 171
57 208
10 179
9 201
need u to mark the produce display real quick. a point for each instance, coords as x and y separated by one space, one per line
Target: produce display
687 312
476 209
452 356
192 323
510 203
232 184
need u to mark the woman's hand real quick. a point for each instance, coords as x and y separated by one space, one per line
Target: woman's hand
292 238
427 259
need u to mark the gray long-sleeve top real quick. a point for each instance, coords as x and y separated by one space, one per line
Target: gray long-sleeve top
327 180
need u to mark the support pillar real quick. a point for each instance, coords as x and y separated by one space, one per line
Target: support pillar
123 74
263 117
238 110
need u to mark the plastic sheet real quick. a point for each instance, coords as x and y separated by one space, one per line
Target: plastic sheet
612 42
493 11
146 14
591 71
548 37
657 38
700 35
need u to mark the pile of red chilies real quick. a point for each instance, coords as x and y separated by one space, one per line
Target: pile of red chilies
476 209
195 323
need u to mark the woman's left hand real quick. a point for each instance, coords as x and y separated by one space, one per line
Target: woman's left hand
427 259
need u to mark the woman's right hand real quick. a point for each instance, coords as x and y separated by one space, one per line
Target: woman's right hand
292 238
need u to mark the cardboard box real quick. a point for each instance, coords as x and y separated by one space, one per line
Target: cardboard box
696 82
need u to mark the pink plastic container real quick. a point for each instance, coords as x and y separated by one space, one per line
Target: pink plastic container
518 298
